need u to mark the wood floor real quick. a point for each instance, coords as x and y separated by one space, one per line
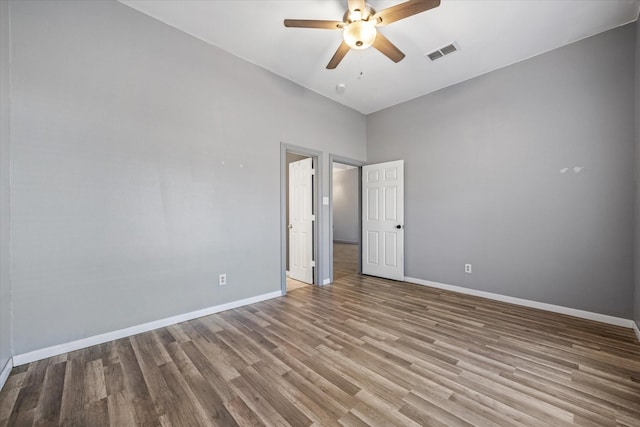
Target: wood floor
364 351
292 284
345 260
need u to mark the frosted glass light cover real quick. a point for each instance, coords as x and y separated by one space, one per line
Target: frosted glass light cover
359 34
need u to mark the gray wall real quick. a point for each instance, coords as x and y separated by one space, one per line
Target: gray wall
346 227
5 290
145 163
483 183
637 222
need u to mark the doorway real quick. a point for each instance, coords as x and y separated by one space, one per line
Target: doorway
345 217
300 218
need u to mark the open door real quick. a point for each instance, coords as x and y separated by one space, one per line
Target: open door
383 220
301 220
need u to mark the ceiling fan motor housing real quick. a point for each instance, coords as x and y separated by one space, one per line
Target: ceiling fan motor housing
359 15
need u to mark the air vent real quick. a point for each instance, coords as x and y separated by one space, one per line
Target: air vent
437 54
448 49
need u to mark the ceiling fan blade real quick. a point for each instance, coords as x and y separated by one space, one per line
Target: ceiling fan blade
387 48
337 57
312 23
404 10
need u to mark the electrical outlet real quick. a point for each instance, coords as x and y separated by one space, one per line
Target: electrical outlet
467 268
222 279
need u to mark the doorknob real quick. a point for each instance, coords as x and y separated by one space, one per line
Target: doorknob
290 225
398 226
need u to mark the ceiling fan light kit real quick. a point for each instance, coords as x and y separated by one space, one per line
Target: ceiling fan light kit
359 25
360 34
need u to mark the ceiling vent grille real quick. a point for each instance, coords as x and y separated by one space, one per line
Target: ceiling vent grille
435 55
443 51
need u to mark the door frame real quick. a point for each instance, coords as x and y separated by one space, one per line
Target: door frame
317 210
351 162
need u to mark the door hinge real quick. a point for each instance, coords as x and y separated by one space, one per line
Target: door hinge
313 171
312 264
313 217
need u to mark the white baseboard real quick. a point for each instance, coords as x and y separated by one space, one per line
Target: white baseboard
5 372
326 281
636 330
618 321
55 350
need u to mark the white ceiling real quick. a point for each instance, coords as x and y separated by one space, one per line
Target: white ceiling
490 33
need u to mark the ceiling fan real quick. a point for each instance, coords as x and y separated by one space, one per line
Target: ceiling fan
359 26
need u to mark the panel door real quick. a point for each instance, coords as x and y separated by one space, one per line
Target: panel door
383 220
301 220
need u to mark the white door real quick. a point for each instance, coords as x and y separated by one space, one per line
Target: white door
301 220
383 220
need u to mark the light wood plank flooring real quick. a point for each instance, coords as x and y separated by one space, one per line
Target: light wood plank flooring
292 284
364 351
345 260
